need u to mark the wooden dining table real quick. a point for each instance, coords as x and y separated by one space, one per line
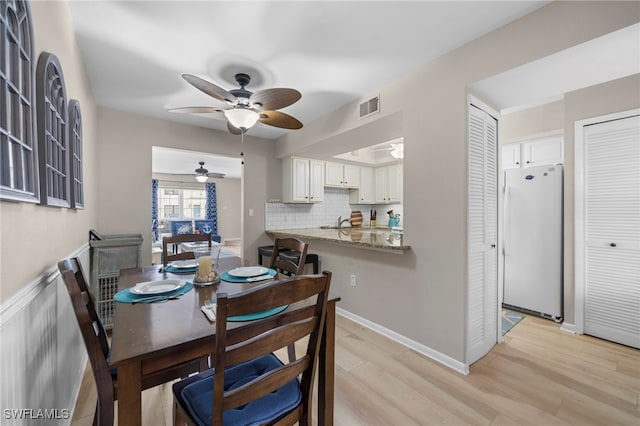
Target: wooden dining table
152 337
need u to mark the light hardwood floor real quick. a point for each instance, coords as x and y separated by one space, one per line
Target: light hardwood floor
538 376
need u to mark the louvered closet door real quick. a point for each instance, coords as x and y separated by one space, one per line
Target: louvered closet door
612 230
482 223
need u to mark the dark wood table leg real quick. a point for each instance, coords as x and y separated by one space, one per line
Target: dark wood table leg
326 368
130 394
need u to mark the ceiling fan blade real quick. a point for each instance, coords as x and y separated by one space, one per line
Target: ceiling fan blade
233 129
195 110
279 119
210 89
272 99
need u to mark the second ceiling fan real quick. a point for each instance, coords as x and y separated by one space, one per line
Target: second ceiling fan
245 107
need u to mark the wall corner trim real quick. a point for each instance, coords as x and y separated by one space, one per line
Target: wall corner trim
10 307
568 327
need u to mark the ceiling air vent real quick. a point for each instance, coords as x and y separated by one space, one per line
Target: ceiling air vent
369 107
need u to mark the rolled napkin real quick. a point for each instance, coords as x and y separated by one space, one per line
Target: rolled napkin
210 311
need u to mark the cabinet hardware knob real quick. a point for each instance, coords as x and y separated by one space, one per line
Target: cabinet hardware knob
517 162
528 162
493 246
613 244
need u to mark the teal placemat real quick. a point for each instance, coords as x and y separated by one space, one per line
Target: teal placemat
173 270
125 296
258 315
230 278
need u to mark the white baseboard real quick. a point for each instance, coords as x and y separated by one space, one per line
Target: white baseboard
569 328
446 360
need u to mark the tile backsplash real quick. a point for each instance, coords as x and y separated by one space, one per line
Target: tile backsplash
336 203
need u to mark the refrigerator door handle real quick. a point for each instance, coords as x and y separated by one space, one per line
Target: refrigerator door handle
505 231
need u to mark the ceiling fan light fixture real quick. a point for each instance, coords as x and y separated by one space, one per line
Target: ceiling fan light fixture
397 151
201 173
242 118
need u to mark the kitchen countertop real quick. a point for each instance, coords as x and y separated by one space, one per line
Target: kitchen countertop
369 238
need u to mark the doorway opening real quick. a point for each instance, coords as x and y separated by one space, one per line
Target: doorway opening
214 199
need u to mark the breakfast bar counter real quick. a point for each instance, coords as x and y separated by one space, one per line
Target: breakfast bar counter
366 238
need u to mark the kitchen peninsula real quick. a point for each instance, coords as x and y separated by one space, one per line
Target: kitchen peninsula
367 238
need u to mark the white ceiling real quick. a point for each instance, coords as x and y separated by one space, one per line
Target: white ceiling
332 52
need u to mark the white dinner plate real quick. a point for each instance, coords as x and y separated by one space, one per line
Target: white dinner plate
248 271
184 264
156 287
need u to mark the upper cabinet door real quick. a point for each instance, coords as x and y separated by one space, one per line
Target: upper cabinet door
316 181
333 174
511 156
351 176
546 151
395 183
300 180
381 192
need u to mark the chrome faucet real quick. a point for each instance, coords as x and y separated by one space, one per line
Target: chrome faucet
341 221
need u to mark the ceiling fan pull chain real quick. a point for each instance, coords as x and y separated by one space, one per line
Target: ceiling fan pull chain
242 147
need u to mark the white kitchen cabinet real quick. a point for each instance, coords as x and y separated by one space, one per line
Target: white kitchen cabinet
302 180
542 152
364 194
388 184
511 156
341 175
532 153
395 183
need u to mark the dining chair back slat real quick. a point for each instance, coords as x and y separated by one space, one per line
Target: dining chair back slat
249 348
169 256
289 266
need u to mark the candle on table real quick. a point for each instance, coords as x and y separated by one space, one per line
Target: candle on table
204 266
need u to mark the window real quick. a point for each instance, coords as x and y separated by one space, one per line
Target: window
179 203
53 139
75 143
18 156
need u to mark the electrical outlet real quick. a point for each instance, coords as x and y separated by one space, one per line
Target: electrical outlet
353 280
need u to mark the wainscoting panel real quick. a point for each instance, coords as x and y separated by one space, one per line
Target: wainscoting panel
42 356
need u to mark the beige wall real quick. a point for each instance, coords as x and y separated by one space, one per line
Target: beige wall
124 173
428 301
228 201
532 122
34 238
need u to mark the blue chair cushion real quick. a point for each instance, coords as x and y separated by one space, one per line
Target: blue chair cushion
179 227
195 394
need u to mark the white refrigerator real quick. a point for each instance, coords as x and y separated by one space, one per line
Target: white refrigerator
533 240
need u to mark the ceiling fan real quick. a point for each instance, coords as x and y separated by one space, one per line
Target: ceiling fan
245 108
396 150
203 174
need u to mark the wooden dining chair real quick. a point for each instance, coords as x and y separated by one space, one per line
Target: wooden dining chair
169 256
97 345
290 265
249 384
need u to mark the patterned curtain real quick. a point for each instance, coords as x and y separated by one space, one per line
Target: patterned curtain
211 208
154 209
